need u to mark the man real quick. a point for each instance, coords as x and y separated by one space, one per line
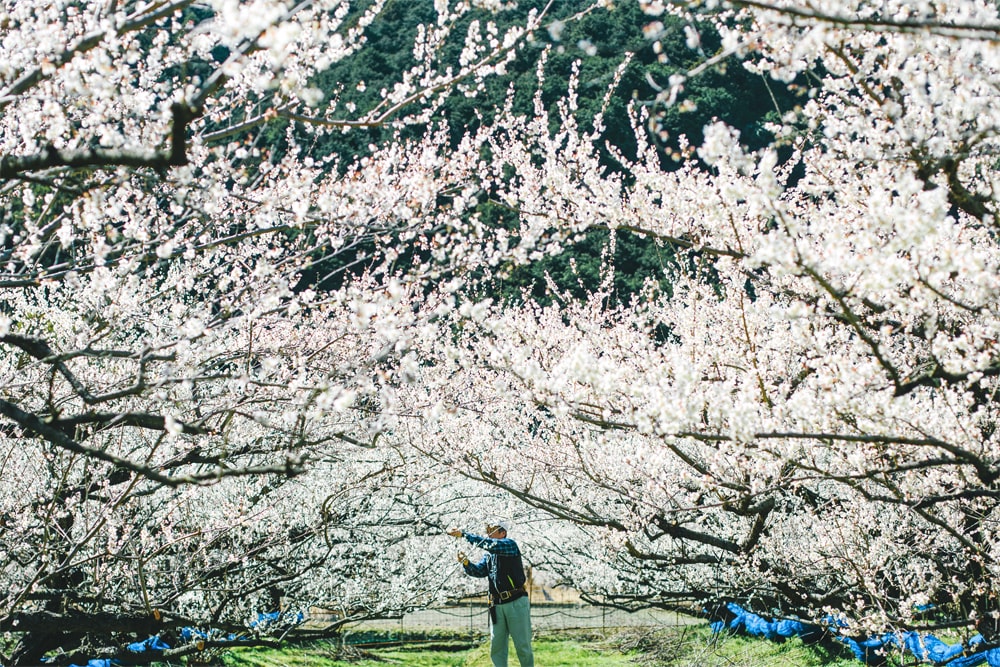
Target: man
510 611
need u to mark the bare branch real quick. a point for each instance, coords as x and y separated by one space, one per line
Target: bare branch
292 465
53 158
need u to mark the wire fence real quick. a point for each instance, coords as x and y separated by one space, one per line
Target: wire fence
472 618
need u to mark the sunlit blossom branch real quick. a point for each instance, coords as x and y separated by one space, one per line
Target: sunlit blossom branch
958 303
984 470
677 559
117 419
677 530
791 435
54 158
855 322
549 506
378 116
248 124
958 535
40 349
182 115
878 473
57 437
956 30
678 241
670 527
144 253
961 456
926 167
147 16
669 95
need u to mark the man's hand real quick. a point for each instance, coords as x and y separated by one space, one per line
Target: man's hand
462 558
454 532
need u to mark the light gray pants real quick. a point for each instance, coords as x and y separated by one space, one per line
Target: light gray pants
513 620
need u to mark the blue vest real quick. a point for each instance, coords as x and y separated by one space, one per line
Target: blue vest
506 573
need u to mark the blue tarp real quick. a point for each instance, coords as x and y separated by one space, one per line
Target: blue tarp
156 643
187 634
754 625
264 620
869 650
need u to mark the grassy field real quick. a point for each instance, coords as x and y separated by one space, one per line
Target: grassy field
551 652
672 647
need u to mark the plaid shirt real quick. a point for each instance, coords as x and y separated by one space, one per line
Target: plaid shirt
487 566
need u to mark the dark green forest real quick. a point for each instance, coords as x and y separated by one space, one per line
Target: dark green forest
600 41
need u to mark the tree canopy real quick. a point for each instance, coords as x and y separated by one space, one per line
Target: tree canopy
263 338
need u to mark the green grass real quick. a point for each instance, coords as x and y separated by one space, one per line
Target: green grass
558 652
549 651
697 646
691 646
